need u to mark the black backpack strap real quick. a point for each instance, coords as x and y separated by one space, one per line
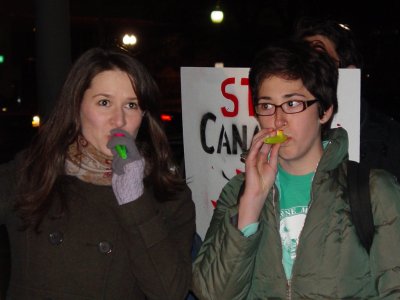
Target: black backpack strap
360 202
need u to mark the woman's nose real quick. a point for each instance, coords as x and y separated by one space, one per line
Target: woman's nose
280 118
118 118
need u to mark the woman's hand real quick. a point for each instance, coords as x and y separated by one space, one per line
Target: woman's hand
261 168
128 173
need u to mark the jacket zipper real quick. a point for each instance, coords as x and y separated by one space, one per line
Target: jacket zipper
297 248
289 281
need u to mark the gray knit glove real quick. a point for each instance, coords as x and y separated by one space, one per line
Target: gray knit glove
127 178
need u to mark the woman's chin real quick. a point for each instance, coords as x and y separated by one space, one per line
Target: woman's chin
105 151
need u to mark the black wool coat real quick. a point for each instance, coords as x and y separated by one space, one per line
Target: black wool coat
98 249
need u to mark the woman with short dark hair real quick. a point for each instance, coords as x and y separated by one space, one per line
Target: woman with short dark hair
283 229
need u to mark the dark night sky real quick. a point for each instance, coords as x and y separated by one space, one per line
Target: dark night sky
175 33
182 32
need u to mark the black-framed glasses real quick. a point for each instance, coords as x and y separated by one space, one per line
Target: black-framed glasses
288 107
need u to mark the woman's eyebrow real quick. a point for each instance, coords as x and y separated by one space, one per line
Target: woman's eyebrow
286 96
102 95
292 95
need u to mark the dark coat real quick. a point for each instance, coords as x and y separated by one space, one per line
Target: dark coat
379 140
98 249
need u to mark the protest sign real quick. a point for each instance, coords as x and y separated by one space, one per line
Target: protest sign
219 123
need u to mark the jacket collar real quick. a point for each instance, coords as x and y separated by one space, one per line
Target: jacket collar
336 150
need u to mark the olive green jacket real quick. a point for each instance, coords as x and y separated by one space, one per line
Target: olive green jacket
331 263
98 249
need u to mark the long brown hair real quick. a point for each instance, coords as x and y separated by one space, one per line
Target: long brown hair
44 160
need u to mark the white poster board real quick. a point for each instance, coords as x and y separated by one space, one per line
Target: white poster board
218 123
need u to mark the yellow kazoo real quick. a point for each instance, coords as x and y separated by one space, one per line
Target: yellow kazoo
278 138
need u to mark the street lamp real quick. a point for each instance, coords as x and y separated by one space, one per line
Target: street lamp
217 15
129 40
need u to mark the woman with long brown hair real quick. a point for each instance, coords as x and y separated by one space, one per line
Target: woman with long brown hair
85 220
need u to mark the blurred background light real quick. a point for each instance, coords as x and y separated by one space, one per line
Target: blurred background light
35 121
217 15
129 40
166 117
344 26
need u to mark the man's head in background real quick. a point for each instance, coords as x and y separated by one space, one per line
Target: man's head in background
332 37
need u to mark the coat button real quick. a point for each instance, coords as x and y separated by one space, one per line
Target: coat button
56 238
105 247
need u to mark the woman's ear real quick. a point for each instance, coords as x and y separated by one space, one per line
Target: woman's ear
326 115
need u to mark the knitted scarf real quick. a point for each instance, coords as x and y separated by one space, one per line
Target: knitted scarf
87 163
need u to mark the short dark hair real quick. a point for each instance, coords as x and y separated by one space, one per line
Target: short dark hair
294 60
341 36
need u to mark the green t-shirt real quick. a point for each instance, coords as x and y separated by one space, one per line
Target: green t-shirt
294 200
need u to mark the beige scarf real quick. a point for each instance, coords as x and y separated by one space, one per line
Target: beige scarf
87 163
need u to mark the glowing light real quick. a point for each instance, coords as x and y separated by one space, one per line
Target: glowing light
35 121
217 15
166 118
344 26
4 109
129 39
